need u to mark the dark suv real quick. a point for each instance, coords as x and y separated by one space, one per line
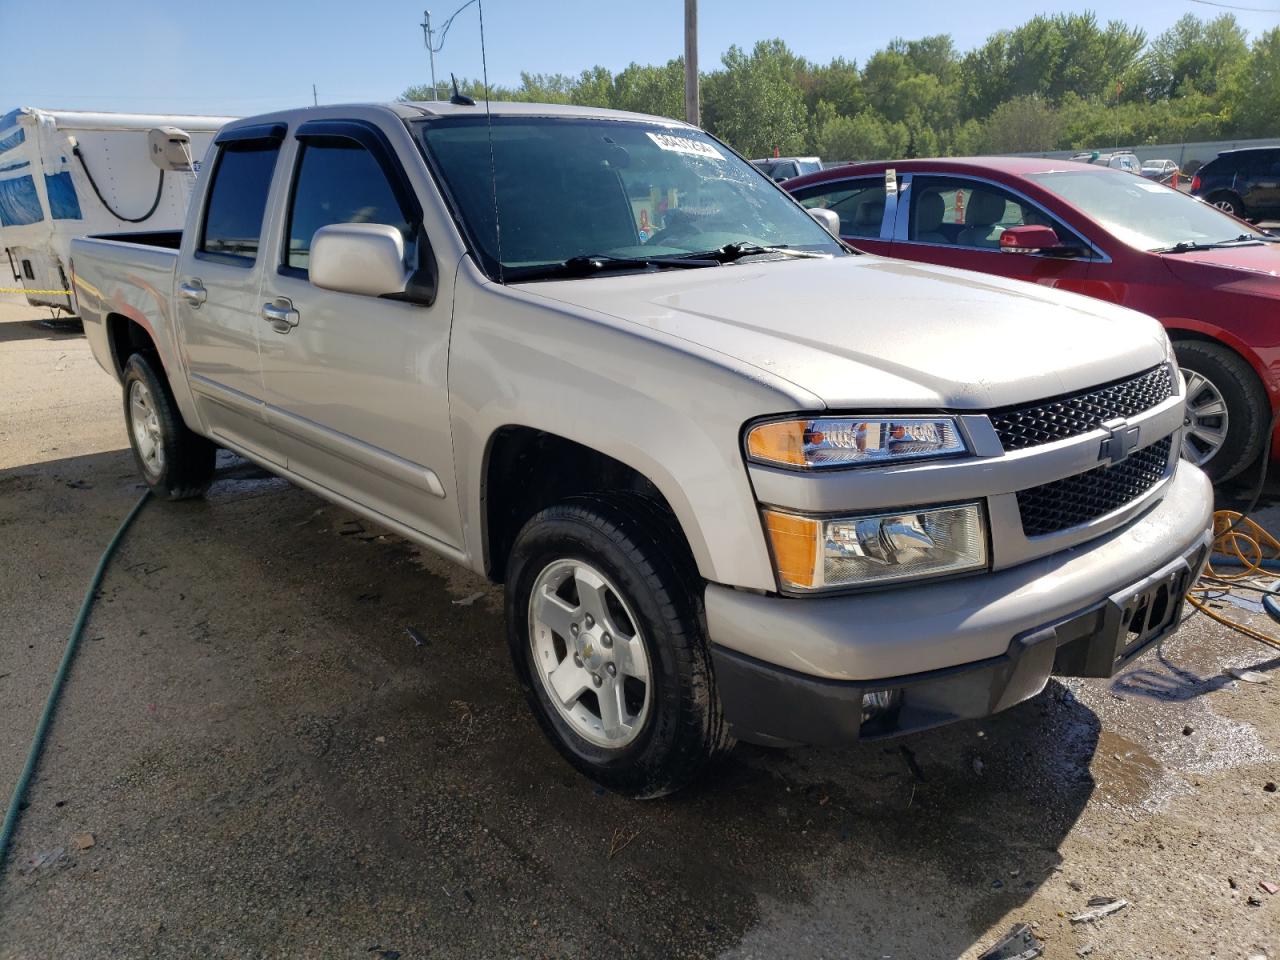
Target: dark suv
1244 183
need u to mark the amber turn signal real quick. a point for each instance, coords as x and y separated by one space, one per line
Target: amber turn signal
795 548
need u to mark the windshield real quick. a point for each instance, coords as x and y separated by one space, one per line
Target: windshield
570 187
1143 214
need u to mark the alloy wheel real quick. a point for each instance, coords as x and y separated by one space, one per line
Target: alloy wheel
146 428
1205 422
589 654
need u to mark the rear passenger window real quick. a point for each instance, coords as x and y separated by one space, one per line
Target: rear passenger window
858 203
1264 162
339 181
238 199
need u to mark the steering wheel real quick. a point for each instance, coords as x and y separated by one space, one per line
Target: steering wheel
679 224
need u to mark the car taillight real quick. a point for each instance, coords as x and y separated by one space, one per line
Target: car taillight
1195 183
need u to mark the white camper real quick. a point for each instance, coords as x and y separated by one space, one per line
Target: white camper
66 174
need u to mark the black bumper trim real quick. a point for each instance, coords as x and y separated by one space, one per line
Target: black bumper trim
768 704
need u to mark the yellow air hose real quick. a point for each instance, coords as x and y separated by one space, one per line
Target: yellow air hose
1248 548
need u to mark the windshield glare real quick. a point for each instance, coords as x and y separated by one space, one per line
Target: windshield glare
570 187
1142 214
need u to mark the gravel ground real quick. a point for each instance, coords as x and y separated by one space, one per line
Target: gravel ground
270 767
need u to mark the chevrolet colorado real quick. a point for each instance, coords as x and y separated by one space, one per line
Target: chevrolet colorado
739 480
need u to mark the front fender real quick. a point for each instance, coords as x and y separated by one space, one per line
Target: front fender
667 409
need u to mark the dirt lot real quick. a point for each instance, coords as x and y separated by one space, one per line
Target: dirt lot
271 767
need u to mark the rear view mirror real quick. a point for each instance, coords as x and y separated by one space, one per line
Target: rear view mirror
363 258
828 218
1029 239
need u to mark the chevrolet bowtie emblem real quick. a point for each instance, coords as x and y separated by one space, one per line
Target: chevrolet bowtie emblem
1120 441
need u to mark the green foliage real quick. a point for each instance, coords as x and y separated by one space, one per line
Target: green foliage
1055 82
866 136
1192 55
1021 125
655 90
755 103
1257 87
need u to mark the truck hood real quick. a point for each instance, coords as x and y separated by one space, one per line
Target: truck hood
863 331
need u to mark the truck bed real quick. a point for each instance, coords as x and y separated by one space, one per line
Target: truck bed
129 275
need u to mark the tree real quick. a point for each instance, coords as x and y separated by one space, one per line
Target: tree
647 89
868 136
1022 125
1257 86
838 83
1192 55
754 103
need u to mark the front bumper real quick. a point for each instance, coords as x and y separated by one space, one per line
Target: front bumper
796 670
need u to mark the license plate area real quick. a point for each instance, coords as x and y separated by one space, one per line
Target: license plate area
1147 611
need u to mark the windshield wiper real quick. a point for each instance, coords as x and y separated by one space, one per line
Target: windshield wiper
597 262
736 251
1188 246
585 265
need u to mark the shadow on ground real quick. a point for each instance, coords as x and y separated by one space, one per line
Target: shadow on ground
44 329
271 764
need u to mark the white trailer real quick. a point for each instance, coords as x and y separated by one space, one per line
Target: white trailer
66 174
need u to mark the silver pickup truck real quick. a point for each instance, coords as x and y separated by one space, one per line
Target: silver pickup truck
739 480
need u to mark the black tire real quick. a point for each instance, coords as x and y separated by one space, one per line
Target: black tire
1247 410
1228 202
187 462
634 544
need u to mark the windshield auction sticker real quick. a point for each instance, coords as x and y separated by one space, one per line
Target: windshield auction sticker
695 148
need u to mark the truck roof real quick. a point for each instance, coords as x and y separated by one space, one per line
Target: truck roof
413 109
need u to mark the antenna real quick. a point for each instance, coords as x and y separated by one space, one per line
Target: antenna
458 99
488 117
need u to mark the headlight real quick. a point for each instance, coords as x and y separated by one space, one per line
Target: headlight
816 553
850 442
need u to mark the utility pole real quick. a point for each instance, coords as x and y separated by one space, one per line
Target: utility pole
691 109
315 101
431 48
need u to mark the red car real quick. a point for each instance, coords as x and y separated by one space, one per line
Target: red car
1212 280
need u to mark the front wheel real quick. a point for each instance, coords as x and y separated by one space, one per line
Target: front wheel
176 463
1226 413
605 629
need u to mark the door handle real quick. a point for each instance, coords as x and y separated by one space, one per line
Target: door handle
193 292
280 314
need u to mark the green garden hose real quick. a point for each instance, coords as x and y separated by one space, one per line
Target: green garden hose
46 718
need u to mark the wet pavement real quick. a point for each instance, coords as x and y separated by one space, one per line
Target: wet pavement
270 764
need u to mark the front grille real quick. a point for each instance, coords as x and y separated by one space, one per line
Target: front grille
1072 501
1072 415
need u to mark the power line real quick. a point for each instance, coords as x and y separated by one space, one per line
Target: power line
444 30
1232 6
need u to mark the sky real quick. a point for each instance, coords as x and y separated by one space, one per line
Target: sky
240 57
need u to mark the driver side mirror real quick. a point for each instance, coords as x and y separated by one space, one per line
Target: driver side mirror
829 219
368 259
1033 239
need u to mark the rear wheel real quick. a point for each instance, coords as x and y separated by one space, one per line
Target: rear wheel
176 463
1226 409
1228 202
605 628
